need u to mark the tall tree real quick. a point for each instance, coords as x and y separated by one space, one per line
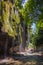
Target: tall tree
34 11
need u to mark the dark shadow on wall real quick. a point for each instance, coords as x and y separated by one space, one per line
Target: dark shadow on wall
5 42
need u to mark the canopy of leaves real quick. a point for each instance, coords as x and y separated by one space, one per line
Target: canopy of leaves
33 11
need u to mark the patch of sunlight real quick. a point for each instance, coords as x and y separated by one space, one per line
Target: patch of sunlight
31 45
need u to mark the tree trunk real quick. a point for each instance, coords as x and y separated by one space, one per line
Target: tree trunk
5 49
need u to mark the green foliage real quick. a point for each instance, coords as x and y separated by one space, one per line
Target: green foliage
9 17
18 3
33 11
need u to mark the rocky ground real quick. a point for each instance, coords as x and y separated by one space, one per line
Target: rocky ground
23 58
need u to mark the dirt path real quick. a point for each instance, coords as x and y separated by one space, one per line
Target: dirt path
23 58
